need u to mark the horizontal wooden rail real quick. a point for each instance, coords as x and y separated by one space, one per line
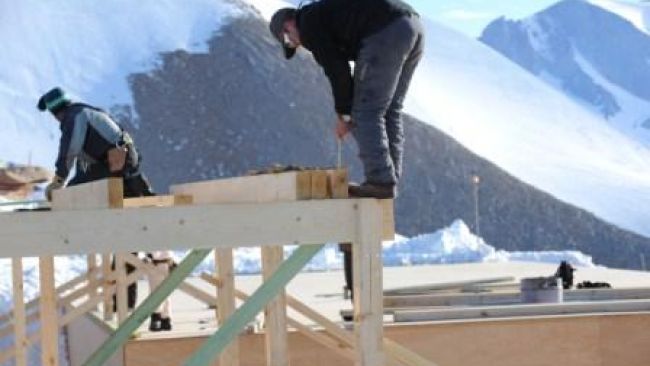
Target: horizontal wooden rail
163 228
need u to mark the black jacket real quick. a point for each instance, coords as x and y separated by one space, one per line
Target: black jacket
87 133
333 30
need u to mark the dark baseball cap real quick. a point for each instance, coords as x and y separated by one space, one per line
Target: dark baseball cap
277 29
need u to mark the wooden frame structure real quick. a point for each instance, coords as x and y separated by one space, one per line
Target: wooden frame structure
300 208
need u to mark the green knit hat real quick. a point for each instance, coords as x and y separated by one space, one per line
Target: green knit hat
53 101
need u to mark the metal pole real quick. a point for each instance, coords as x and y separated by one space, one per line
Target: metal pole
477 181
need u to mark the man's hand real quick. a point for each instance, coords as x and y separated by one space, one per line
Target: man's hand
343 127
56 183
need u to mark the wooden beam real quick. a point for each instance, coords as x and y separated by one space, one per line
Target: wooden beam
176 228
150 304
158 201
92 275
19 318
49 313
106 193
245 313
226 301
319 181
79 310
522 310
290 186
108 299
388 220
368 273
122 292
337 183
275 313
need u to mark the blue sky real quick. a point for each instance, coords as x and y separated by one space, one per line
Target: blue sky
471 16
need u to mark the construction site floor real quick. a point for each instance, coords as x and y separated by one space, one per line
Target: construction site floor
323 290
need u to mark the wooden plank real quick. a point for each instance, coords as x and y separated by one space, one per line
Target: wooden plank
245 313
49 313
79 310
106 193
150 304
176 228
388 220
523 310
337 183
411 290
226 301
19 319
108 299
290 186
92 275
122 292
319 181
158 201
368 273
275 313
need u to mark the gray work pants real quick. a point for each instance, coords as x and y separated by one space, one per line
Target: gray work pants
382 75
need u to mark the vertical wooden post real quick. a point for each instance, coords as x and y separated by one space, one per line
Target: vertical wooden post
367 273
122 294
275 313
49 311
20 333
107 283
92 276
226 301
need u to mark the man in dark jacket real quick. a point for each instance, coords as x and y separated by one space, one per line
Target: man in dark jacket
98 148
385 40
96 145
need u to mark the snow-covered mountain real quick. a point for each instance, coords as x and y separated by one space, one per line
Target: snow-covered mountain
596 51
637 13
90 48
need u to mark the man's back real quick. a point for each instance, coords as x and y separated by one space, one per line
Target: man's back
346 22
